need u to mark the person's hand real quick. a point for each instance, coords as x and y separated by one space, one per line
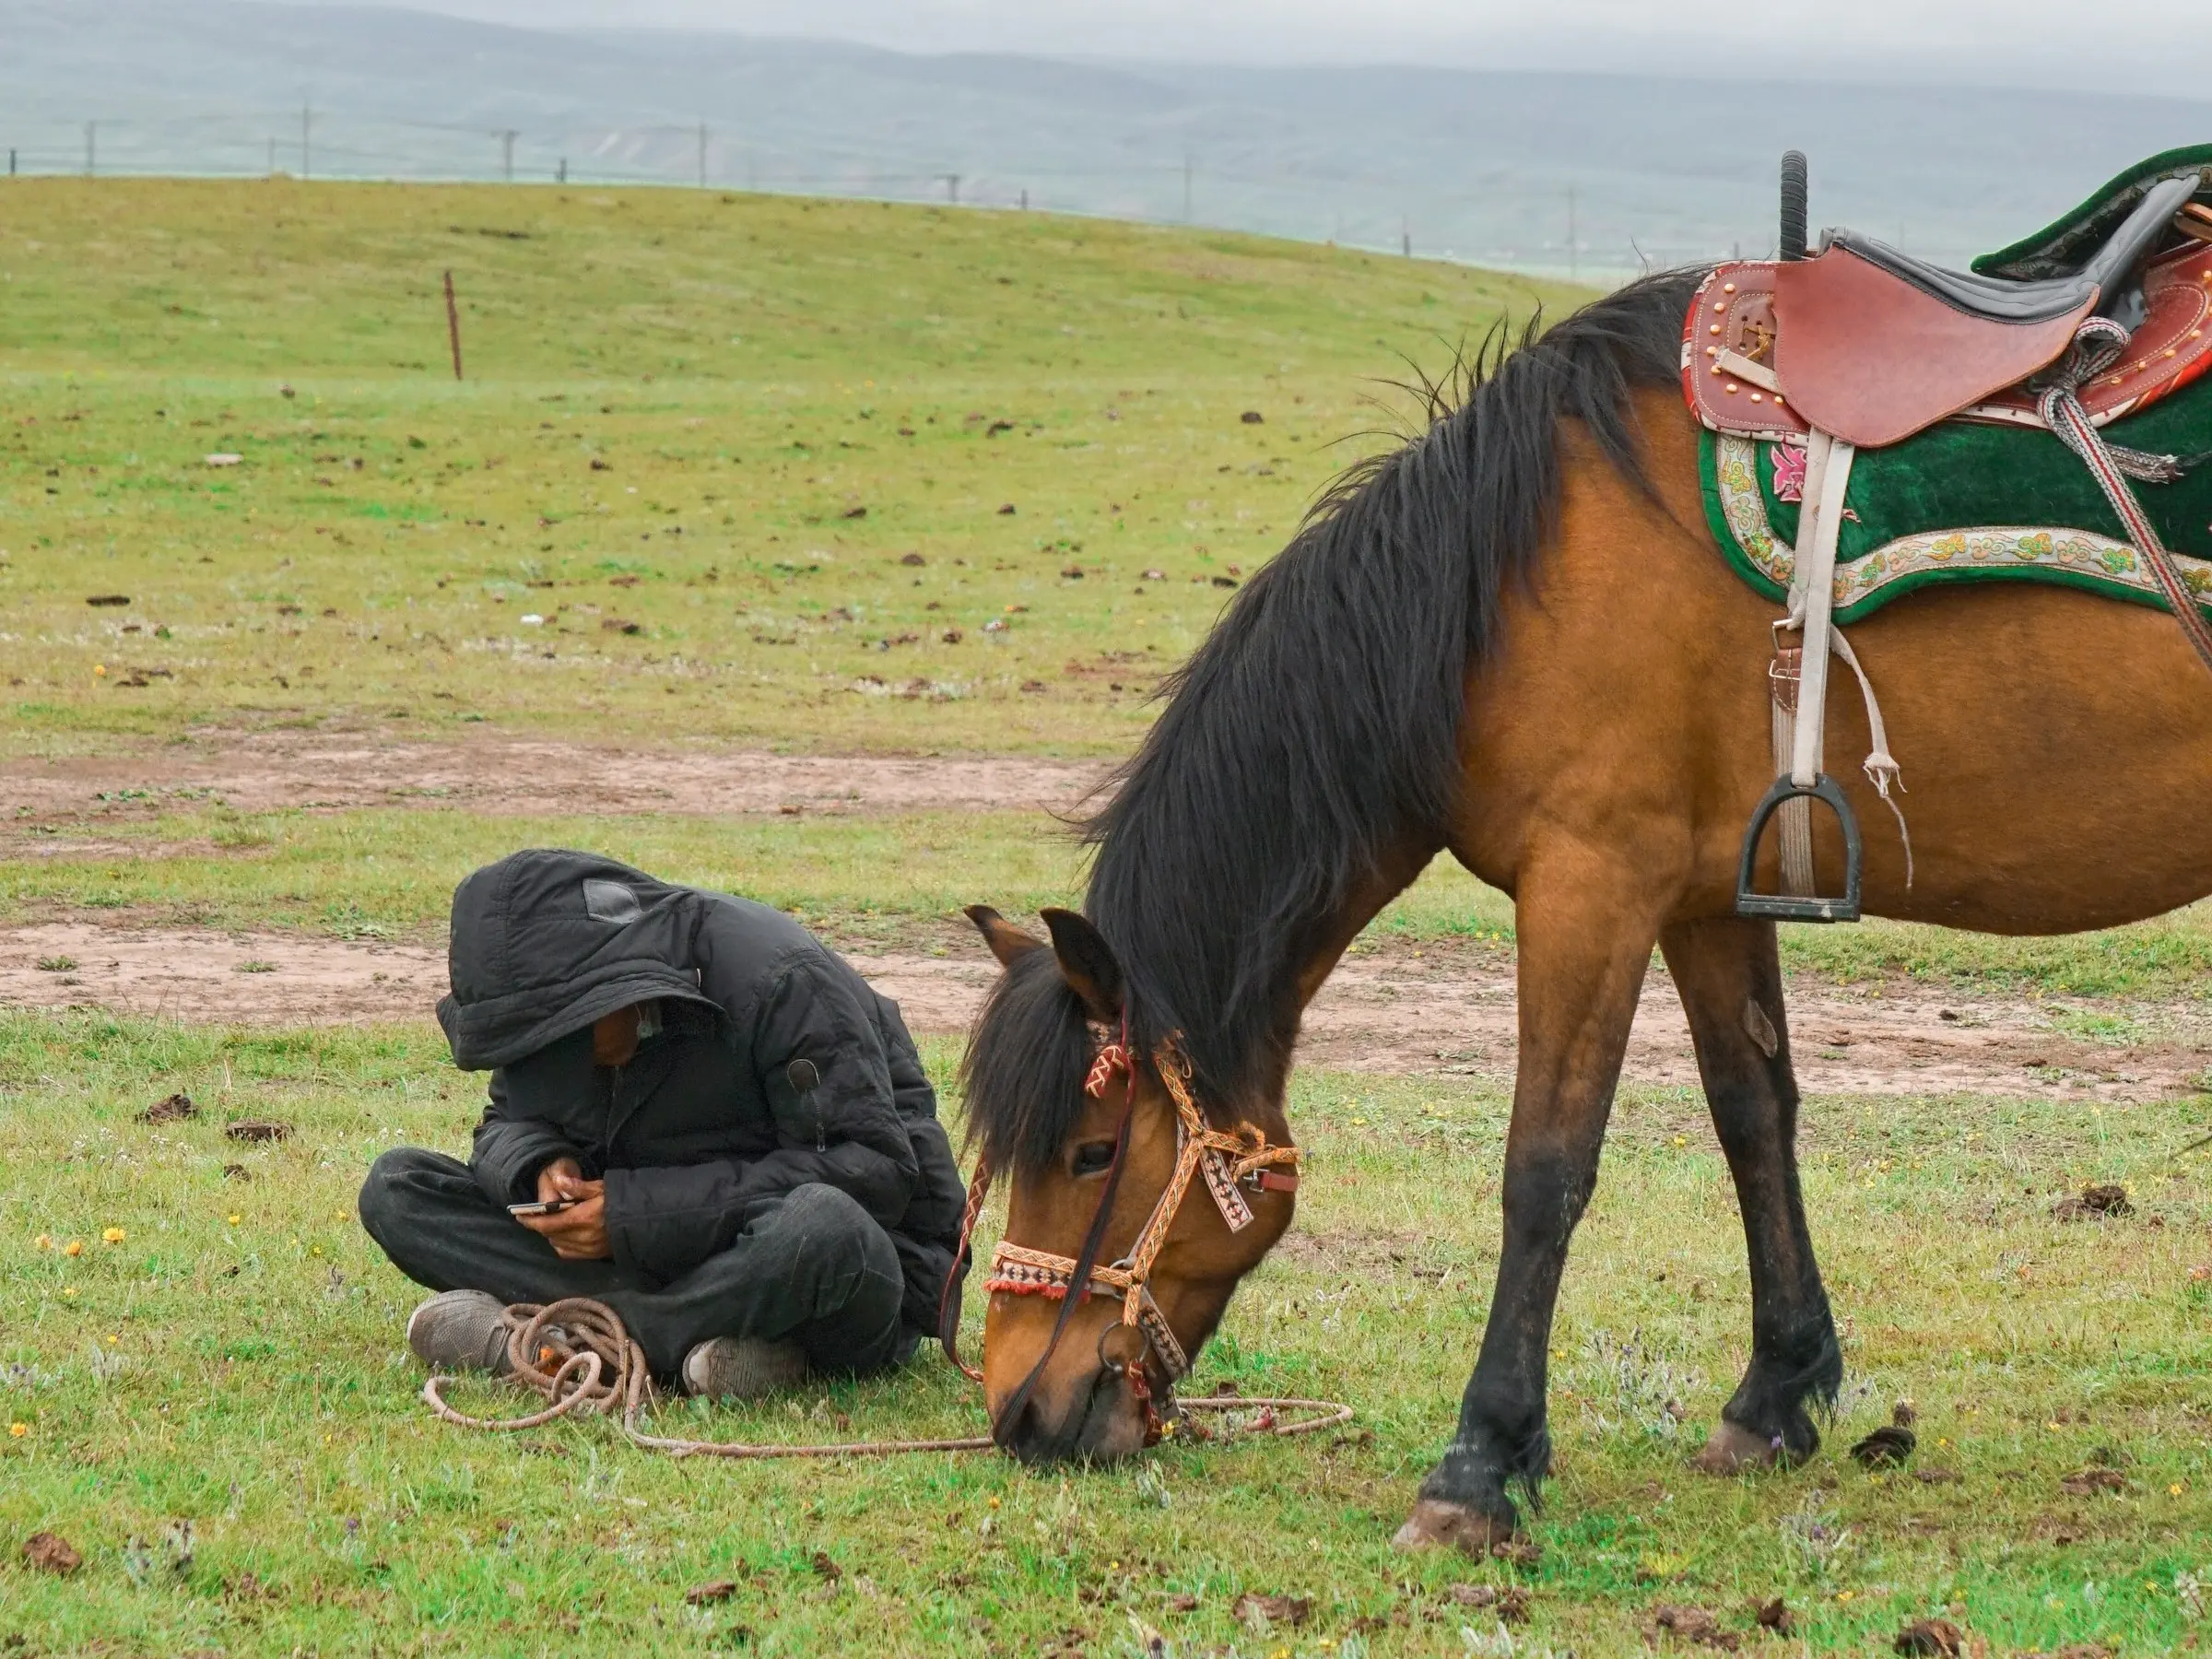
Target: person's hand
579 1232
560 1179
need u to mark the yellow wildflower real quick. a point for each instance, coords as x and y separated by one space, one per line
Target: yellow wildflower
114 1235
76 1247
18 1430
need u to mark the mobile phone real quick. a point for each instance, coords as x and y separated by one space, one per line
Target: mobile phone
550 1206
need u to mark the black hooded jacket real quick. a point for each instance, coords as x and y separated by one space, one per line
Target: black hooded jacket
704 1128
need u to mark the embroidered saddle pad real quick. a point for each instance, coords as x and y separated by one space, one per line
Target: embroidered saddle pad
1969 501
1988 494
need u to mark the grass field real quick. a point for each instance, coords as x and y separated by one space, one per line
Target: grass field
234 1358
728 424
788 471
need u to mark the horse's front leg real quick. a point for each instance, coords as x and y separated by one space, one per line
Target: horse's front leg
1730 980
1586 927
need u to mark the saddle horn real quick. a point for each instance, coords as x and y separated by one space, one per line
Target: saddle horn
1793 194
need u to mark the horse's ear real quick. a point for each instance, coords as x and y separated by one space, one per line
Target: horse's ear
1087 962
1008 942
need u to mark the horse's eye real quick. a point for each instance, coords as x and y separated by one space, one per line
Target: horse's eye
1094 1159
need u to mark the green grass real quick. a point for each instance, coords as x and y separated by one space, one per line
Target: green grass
747 456
236 1360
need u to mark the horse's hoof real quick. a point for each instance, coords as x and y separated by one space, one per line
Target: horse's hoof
1734 1450
1434 1521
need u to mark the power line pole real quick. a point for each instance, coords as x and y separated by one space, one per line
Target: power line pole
1405 234
560 173
91 143
507 139
306 141
952 187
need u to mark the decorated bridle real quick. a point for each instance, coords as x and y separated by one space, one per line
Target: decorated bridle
1229 1159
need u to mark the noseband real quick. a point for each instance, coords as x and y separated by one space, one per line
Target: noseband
1227 1160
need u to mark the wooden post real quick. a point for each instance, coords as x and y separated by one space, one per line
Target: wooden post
452 323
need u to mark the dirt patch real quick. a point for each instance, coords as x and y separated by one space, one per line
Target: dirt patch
1452 1008
1438 1008
266 771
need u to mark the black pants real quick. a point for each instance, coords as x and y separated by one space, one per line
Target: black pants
816 1269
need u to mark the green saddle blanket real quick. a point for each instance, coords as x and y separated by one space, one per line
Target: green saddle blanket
1964 501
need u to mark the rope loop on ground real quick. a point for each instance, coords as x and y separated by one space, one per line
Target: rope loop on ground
579 1357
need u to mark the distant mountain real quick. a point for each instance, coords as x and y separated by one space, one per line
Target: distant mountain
1490 167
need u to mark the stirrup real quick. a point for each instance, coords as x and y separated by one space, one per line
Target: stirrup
1785 907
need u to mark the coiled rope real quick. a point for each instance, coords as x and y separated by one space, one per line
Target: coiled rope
578 1357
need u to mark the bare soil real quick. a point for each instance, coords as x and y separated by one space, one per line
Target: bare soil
1434 1008
262 771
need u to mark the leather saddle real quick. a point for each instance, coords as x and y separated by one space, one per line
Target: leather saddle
1872 345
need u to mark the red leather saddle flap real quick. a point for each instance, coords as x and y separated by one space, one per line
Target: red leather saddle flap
1728 355
1866 356
2171 347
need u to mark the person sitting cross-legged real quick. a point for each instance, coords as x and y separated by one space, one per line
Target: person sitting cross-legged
738 1129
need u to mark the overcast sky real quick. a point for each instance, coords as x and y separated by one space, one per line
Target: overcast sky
2047 42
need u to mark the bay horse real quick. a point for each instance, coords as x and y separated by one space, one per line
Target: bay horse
1513 639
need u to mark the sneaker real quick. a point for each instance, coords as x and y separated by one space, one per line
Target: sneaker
460 1330
744 1368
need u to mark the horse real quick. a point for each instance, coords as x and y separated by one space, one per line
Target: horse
1512 637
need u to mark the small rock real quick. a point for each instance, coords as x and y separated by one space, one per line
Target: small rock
1938 1636
50 1552
1885 1447
1689 1624
237 1173
1259 1613
259 1130
174 1109
1510 1603
2108 1202
2089 1481
912 558
1519 1550
714 1590
1775 1616
1182 1603
1252 417
1007 511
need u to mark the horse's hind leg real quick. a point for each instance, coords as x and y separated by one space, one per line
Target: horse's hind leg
1731 985
1586 931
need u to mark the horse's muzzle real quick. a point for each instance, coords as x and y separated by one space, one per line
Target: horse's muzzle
1101 1421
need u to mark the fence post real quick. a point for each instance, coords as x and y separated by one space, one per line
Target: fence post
452 323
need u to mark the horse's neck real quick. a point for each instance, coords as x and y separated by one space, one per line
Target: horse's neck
1335 933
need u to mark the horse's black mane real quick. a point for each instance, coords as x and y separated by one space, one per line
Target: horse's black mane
1318 725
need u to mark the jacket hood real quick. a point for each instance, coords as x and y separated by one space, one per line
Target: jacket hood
545 942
